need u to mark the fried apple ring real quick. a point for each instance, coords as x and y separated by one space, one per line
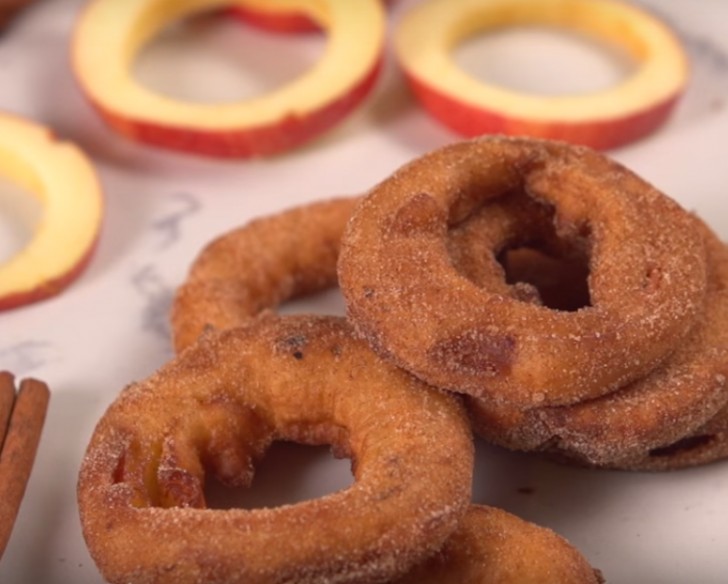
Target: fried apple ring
491 545
260 265
646 261
218 406
271 260
706 445
662 407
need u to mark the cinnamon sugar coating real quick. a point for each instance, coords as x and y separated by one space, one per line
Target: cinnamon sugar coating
647 274
260 265
491 545
671 402
706 445
217 407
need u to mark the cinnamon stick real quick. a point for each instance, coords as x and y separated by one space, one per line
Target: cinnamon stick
19 448
9 9
7 397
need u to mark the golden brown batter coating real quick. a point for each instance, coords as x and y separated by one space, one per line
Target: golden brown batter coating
706 445
647 274
260 265
669 403
291 253
218 406
509 247
493 546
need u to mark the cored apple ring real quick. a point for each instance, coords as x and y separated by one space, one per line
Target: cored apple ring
666 405
218 406
491 545
271 260
64 181
647 274
602 119
277 17
259 266
110 33
706 445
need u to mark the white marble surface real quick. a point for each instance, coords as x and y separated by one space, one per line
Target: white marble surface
111 326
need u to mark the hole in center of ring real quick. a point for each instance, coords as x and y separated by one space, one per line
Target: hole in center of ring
562 283
216 58
289 473
20 212
543 60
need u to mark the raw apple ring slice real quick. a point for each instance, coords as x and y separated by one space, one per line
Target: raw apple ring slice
602 119
110 33
60 175
278 17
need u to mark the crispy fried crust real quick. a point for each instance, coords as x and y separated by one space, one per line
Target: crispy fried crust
260 265
217 407
647 274
707 444
294 252
491 545
671 402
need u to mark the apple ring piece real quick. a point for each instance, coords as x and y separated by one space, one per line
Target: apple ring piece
491 545
218 406
63 179
601 119
671 402
260 265
278 17
706 445
647 277
264 263
110 33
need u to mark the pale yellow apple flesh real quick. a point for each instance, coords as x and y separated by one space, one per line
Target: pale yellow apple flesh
60 175
111 32
605 119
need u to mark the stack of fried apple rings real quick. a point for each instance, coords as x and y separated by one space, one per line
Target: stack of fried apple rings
578 309
535 292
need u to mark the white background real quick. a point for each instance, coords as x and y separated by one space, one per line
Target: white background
111 326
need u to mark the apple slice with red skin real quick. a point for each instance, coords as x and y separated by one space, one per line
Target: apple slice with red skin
62 177
605 119
110 33
280 19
